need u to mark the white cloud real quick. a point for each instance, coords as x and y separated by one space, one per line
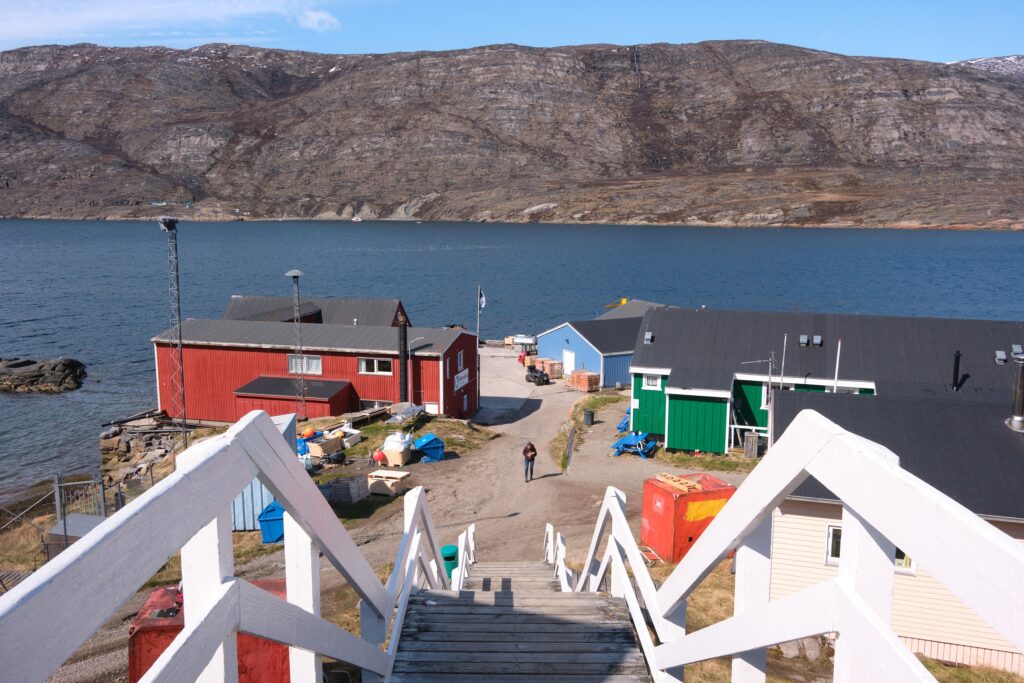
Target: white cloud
319 21
27 22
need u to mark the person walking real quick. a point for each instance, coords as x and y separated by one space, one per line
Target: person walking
529 455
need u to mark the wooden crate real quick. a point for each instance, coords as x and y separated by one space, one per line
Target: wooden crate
584 380
554 369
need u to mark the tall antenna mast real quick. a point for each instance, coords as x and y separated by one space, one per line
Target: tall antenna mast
300 382
177 363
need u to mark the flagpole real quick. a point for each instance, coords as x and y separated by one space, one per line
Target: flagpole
478 290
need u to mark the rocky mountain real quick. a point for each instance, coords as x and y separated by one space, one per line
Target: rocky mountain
1011 65
728 133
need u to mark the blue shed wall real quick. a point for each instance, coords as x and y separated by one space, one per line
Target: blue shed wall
616 370
247 505
550 345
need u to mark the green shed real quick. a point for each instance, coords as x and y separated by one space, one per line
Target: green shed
697 423
648 413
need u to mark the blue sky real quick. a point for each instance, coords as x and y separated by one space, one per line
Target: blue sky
940 30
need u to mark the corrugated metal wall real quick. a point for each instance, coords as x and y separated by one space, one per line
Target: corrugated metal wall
247 505
616 370
213 373
550 345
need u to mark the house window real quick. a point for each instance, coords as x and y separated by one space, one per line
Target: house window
832 544
460 361
652 382
305 365
447 368
764 397
903 562
374 366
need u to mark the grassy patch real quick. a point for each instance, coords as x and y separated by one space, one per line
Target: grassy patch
341 607
459 437
246 546
20 544
594 402
714 463
964 674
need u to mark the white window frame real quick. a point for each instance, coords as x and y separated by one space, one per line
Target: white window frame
311 365
461 362
909 568
646 386
830 531
365 361
764 396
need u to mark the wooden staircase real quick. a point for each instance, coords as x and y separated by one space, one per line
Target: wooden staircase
511 623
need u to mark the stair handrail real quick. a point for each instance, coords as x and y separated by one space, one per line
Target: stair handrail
555 555
466 557
191 509
884 507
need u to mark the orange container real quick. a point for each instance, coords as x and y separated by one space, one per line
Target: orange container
161 619
677 510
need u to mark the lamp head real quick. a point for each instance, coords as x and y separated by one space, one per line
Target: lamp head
294 274
167 223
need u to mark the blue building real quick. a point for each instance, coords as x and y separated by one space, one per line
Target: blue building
603 346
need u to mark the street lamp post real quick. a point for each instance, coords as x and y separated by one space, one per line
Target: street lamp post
300 382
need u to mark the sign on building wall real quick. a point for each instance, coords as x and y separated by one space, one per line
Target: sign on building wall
462 379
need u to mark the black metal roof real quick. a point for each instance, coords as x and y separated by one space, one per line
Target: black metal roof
424 341
334 311
963 449
634 308
609 335
903 356
285 387
285 314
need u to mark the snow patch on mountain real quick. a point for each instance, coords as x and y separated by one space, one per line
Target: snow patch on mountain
1010 65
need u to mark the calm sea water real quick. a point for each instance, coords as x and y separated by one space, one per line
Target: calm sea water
98 291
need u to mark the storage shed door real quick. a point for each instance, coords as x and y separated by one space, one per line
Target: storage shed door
568 361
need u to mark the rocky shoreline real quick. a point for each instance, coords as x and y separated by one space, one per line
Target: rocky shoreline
23 375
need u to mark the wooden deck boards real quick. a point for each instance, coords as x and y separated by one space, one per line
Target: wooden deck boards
511 624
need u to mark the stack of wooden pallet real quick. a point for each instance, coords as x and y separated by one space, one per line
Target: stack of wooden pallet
539 362
346 490
584 380
553 368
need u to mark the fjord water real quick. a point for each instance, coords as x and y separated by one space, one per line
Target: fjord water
97 291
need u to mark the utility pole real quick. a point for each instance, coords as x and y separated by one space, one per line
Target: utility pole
170 226
300 382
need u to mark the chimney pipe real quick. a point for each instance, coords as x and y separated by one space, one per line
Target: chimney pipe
1016 421
403 357
956 371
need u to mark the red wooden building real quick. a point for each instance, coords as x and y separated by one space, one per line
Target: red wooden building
234 366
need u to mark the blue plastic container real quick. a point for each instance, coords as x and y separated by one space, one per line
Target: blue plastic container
431 446
272 523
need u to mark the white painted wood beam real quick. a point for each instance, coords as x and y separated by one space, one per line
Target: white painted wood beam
753 587
810 612
267 616
302 581
207 563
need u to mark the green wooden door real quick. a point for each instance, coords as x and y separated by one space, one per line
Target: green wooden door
747 399
697 423
649 415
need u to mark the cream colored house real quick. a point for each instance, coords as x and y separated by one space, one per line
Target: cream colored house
962 448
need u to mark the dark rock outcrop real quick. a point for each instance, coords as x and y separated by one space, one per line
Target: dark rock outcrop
21 375
730 133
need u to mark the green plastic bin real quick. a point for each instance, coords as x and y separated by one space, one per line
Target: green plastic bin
450 555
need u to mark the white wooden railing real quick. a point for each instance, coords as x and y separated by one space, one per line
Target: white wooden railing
884 507
554 554
466 557
49 615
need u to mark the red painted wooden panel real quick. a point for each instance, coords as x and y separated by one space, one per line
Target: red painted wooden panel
452 398
213 373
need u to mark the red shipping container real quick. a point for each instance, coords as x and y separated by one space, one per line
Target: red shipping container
677 510
161 619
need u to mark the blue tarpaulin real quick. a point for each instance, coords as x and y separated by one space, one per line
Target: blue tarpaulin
431 446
